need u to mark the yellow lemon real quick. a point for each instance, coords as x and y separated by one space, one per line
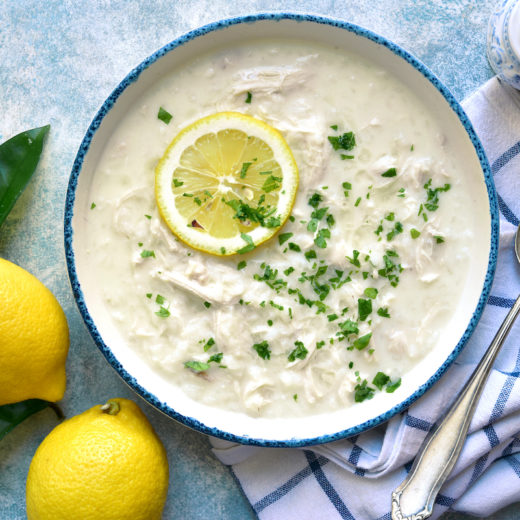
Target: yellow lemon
226 183
104 464
34 338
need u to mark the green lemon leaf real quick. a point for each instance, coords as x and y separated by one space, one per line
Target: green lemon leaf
19 157
12 415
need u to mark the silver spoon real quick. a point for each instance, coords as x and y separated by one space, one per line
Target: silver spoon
414 498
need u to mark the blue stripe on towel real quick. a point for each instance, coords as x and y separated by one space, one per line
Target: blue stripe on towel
282 490
491 435
514 463
327 487
505 158
415 422
498 301
508 214
443 500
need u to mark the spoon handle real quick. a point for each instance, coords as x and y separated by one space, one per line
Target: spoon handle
414 498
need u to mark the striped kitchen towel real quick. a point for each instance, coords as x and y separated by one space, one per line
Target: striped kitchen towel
353 478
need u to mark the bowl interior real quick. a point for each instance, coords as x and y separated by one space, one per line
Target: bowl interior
461 142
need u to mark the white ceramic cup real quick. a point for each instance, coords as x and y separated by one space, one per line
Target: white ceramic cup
503 42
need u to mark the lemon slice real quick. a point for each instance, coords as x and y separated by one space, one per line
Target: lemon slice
226 183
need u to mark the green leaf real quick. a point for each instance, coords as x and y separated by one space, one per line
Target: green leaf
164 115
12 415
19 157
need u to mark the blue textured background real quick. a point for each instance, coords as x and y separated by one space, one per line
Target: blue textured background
59 60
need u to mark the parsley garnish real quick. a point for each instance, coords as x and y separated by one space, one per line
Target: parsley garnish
320 238
245 167
164 115
241 265
271 183
415 233
283 237
163 312
371 292
147 254
432 201
177 183
392 387
249 97
262 349
364 308
362 392
380 380
93 205
299 352
391 172
197 366
347 141
315 200
207 305
358 200
362 342
208 344
383 312
354 260
250 244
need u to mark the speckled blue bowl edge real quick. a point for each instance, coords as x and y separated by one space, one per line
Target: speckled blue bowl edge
69 213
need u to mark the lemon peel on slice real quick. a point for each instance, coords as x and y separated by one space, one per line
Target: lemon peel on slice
226 183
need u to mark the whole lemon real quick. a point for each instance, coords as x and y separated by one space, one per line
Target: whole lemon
104 464
34 338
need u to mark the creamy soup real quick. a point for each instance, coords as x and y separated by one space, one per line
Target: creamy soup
351 293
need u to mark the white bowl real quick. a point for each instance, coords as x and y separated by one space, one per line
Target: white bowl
238 427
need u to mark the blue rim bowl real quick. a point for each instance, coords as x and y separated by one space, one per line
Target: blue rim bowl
193 422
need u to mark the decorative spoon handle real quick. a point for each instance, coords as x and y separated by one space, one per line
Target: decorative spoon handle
414 498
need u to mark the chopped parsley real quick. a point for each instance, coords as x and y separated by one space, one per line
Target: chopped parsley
145 253
163 312
241 265
249 244
432 201
321 237
383 312
438 239
392 387
346 141
245 167
364 308
164 115
197 366
208 344
363 392
294 247
262 349
370 292
380 380
271 183
354 260
398 228
414 233
177 183
93 205
358 200
261 214
207 305
391 172
283 237
249 97
299 352
315 200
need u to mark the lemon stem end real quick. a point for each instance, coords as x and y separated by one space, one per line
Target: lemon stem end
111 408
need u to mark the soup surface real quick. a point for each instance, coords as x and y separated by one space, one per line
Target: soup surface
349 296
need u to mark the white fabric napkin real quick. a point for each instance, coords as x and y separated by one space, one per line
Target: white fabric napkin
353 478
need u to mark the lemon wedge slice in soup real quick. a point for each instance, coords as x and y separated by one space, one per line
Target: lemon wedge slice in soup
226 183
